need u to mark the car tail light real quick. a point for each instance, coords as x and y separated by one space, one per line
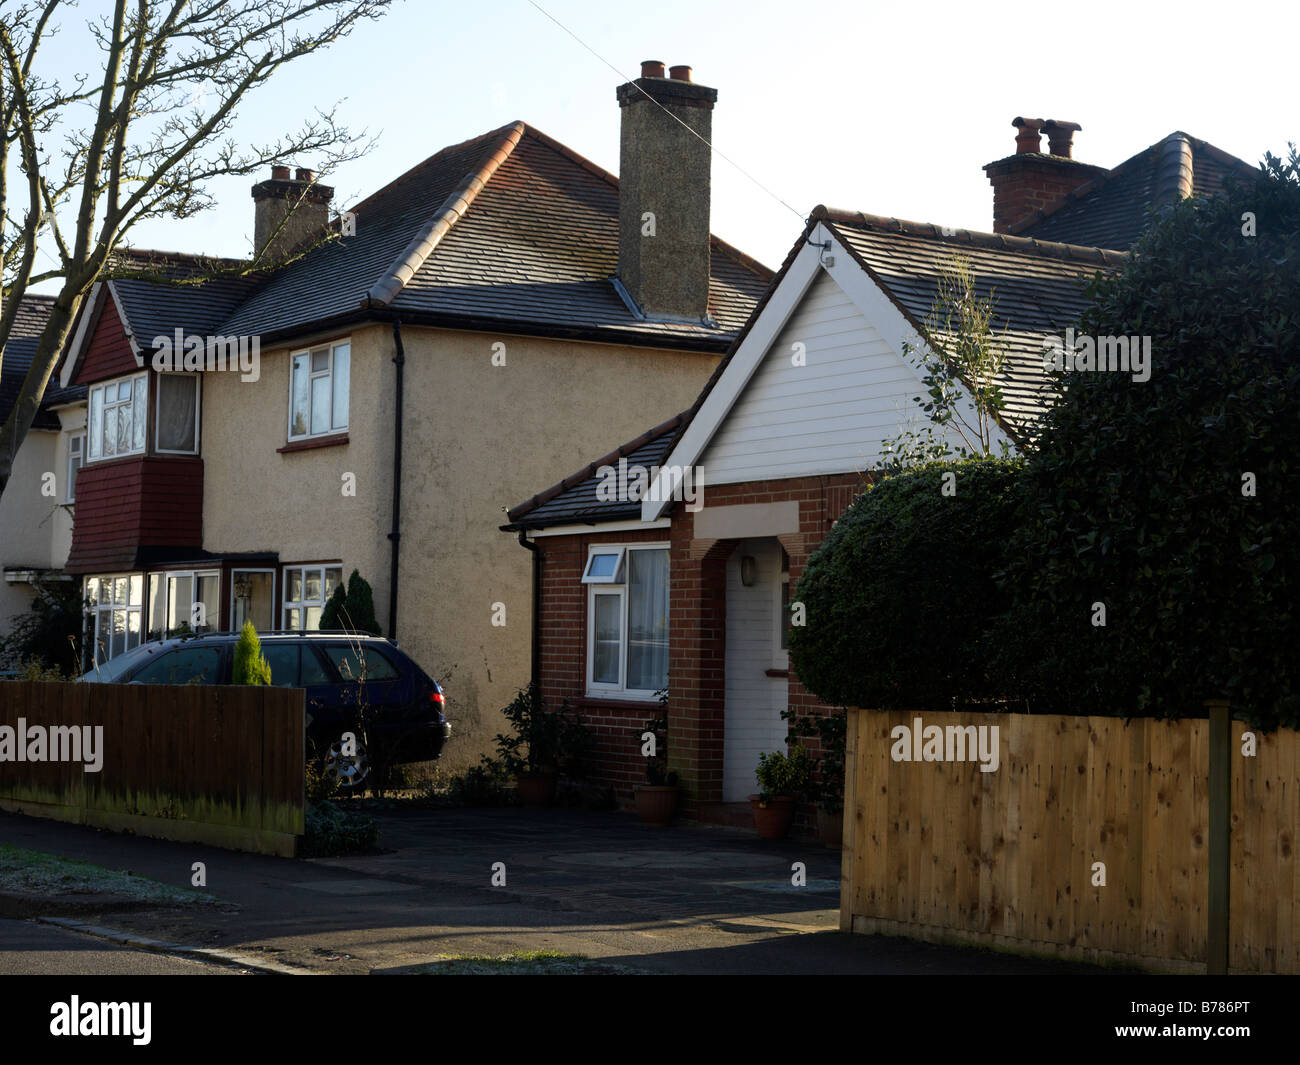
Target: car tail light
437 697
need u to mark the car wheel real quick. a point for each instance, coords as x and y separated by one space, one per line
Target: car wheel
346 770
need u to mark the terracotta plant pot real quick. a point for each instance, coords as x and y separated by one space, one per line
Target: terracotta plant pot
831 828
536 788
656 804
773 820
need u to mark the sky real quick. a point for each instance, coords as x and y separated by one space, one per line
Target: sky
889 108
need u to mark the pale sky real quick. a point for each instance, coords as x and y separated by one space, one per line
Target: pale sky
890 108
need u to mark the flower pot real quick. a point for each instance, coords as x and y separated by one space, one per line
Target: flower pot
831 828
773 820
536 788
656 804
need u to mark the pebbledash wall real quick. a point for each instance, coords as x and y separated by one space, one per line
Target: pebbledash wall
697 635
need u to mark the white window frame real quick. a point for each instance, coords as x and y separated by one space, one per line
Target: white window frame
211 620
102 609
157 415
601 586
77 450
99 388
620 558
331 348
301 604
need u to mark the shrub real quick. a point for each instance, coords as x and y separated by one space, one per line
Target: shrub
899 596
353 610
831 732
331 832
779 774
50 632
543 739
1175 502
250 665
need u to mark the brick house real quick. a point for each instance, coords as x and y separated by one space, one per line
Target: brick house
687 586
480 325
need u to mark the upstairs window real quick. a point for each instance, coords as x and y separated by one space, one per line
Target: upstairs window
76 449
318 391
117 418
178 414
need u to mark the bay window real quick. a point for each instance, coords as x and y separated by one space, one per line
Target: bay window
627 619
117 418
113 614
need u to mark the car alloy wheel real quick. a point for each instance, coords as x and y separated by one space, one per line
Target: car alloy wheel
346 770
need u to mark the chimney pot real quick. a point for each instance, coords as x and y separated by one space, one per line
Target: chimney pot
652 68
303 174
1060 136
681 72
279 173
1027 140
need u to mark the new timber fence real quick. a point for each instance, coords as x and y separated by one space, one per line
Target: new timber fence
210 764
1090 839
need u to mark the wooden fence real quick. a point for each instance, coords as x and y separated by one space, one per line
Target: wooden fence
220 765
940 850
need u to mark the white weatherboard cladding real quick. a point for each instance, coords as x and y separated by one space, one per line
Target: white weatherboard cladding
828 415
754 701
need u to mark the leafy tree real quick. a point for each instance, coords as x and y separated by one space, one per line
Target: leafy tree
141 139
1173 504
250 666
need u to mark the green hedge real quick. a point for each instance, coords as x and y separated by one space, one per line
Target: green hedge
900 595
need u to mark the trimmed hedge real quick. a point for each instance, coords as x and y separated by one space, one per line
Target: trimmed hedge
1140 489
899 597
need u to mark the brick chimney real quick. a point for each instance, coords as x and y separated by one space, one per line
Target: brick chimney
663 197
1030 181
276 198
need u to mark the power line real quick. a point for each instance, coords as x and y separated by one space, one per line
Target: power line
665 110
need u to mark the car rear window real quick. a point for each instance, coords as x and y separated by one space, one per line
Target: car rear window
377 665
283 660
185 665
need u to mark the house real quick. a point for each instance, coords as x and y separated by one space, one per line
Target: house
35 511
478 326
680 577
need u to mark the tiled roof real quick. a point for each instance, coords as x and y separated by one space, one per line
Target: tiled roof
33 312
510 228
1112 210
1035 287
573 500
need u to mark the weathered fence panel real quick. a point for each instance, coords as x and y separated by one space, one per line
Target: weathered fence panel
211 764
941 850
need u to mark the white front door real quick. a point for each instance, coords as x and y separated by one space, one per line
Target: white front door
754 701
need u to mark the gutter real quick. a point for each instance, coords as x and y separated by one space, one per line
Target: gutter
534 669
395 536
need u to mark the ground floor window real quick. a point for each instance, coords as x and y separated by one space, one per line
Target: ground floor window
251 599
627 619
183 601
113 609
306 591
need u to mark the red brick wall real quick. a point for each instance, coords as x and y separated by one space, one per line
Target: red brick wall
1023 184
697 628
123 504
108 352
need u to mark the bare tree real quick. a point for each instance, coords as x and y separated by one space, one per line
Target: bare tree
141 141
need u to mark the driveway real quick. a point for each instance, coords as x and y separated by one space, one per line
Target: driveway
683 900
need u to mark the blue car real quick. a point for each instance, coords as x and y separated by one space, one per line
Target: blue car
406 720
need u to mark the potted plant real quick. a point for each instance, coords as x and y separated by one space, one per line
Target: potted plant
544 744
656 799
781 780
827 786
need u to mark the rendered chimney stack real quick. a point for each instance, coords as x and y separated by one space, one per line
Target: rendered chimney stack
664 189
1060 136
298 203
1030 181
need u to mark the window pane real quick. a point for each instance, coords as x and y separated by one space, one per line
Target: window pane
293 620
647 620
251 600
342 373
177 400
299 396
320 361
120 592
313 618
139 411
96 435
123 442
295 586
92 590
333 578
189 665
346 661
156 607
283 660
602 565
320 404
312 592
179 598
609 627
209 594
132 628
135 588
117 641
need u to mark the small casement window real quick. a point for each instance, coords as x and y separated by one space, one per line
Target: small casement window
627 620
177 417
318 391
118 410
76 446
306 591
604 567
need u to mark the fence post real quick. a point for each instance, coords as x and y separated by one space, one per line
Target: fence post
1220 835
849 833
